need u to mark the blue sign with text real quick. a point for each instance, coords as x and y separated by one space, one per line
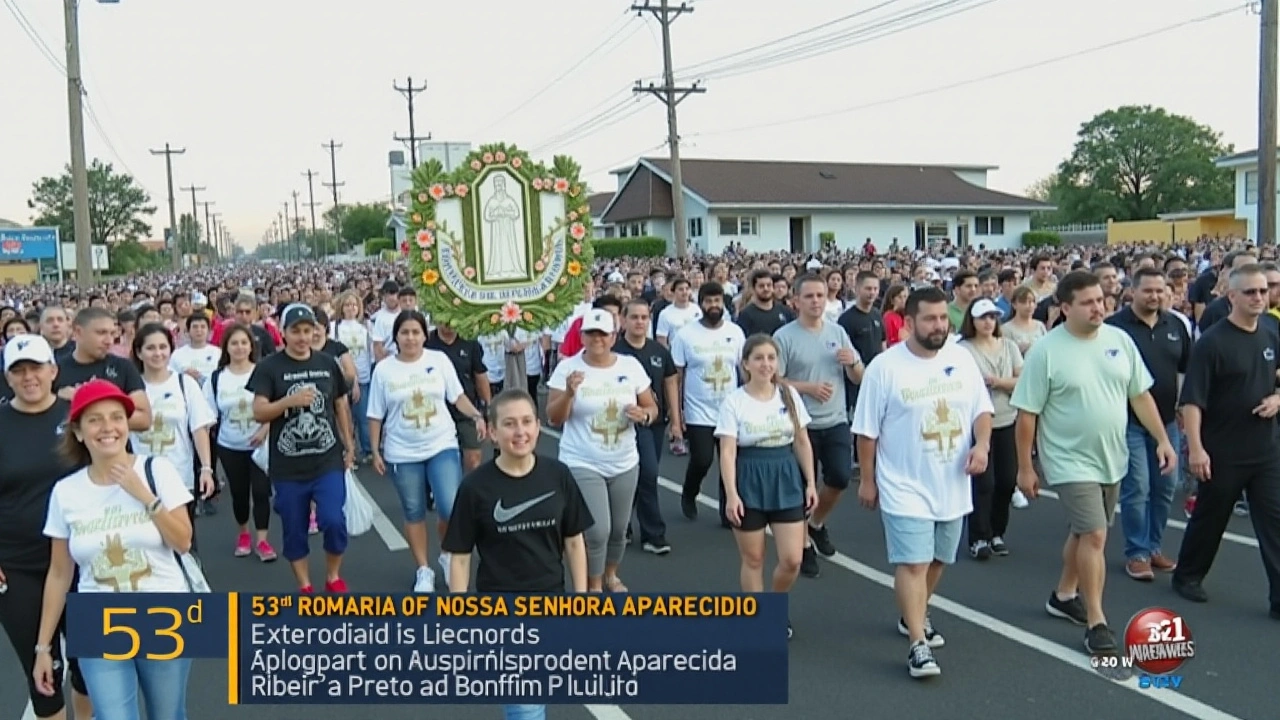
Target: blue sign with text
28 244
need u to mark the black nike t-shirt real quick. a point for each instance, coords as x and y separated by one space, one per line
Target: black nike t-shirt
518 525
119 371
305 443
30 465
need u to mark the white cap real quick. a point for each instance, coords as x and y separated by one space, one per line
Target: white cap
985 307
27 348
814 264
616 277
598 320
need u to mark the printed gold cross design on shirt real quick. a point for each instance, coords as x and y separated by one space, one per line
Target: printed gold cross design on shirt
120 568
242 416
942 428
419 412
161 436
609 424
719 375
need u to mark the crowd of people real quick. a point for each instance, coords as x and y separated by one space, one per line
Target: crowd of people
945 386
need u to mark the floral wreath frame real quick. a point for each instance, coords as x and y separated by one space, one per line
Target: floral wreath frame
422 247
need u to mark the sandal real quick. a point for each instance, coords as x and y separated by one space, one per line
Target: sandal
614 585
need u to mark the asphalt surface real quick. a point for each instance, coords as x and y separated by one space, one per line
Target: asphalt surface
1004 656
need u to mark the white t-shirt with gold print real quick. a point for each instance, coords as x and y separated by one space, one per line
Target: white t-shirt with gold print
598 434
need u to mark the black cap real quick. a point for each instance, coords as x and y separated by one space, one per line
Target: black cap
295 314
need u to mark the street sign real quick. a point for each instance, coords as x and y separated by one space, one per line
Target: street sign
28 244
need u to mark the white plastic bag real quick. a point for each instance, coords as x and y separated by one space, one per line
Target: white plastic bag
261 456
358 510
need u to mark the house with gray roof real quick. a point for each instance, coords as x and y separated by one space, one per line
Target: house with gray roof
772 205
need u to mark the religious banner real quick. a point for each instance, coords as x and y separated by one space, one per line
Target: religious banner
500 243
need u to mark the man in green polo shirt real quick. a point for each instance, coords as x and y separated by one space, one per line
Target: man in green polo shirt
965 287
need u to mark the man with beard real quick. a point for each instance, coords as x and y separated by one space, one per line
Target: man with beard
1073 397
929 400
762 315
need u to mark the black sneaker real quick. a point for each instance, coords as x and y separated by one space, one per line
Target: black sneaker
1099 640
920 661
656 546
822 540
931 636
1072 610
1275 611
631 538
998 547
809 563
689 506
980 550
1191 590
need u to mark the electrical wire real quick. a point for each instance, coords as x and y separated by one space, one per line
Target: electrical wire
629 157
908 19
34 36
628 21
608 117
980 79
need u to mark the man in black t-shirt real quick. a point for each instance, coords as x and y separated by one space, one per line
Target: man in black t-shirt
522 513
94 331
1229 406
763 315
467 357
303 394
656 361
1219 308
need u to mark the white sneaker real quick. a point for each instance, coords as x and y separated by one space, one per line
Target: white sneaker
424 581
446 561
1019 500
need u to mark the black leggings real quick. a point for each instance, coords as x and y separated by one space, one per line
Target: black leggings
249 486
703 447
20 618
993 489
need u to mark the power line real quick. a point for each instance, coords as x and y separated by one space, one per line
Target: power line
980 79
613 115
34 35
628 22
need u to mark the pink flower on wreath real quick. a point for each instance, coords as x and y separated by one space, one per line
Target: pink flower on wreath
437 191
475 165
425 238
577 231
461 191
488 158
500 156
516 162
426 256
577 249
510 313
548 184
573 216
470 272
561 185
404 249
537 184
539 266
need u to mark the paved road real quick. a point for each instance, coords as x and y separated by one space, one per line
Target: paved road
1004 656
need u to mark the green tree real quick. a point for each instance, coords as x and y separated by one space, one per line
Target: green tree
129 256
360 221
1134 162
118 206
191 236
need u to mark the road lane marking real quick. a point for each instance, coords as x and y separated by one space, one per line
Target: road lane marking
1029 640
1179 525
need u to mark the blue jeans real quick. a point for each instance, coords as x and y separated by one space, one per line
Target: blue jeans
524 712
359 412
114 684
649 441
443 471
1145 494
293 505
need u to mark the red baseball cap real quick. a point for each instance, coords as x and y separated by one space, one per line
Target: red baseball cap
95 391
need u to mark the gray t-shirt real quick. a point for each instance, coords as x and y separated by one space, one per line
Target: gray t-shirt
810 356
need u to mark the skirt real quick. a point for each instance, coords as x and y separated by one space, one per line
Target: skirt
769 478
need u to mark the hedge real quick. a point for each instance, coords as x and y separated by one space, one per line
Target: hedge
630 247
1041 238
374 246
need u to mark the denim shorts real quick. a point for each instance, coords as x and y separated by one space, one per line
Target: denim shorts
916 541
443 471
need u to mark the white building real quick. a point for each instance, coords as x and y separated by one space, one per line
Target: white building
768 205
1245 166
450 155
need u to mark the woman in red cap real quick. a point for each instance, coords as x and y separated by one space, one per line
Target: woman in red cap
106 520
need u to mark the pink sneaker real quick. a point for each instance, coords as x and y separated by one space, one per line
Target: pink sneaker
313 528
266 553
244 545
335 586
306 590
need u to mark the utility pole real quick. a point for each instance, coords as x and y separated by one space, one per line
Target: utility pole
284 245
1267 89
79 166
208 229
297 224
409 91
333 184
312 205
195 229
176 250
671 96
214 223
288 229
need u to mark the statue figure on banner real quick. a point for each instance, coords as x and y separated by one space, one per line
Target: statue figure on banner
505 253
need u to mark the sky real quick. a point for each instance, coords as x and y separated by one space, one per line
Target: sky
252 89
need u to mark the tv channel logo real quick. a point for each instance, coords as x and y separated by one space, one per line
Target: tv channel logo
1158 642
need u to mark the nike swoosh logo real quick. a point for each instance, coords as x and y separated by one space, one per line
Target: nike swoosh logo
501 514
